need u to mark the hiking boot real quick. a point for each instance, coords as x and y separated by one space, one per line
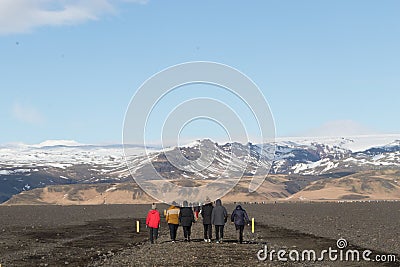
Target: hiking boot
205 240
209 240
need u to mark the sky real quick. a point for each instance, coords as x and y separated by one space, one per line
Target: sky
69 69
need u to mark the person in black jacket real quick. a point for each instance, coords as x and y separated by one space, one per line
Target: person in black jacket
206 211
186 218
240 218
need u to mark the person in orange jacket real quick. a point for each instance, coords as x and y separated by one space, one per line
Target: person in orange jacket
153 222
172 218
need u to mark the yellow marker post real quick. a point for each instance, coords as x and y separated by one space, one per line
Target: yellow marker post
252 225
137 227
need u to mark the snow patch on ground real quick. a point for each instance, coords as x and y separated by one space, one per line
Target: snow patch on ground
111 189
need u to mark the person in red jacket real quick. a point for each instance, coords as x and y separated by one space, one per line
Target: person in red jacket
153 222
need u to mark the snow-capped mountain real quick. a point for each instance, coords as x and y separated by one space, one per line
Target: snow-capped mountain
312 157
24 167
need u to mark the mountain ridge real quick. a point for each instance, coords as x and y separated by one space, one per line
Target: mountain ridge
24 168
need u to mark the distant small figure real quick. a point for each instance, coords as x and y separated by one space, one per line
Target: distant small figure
240 218
206 212
153 222
196 210
186 218
172 218
219 217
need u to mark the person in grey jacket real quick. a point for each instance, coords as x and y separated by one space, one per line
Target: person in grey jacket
219 216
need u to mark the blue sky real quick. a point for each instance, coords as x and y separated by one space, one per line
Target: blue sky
69 71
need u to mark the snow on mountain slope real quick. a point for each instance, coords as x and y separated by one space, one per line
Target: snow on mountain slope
58 143
293 155
24 167
353 143
321 155
62 154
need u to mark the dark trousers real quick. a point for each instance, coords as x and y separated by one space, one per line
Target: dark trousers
187 231
219 231
153 234
173 229
207 231
239 232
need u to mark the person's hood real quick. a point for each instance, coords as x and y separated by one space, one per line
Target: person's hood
218 202
238 207
172 207
153 211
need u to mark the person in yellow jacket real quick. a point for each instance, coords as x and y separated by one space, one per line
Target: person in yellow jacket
172 218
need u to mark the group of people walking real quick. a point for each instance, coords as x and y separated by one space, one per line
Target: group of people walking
185 216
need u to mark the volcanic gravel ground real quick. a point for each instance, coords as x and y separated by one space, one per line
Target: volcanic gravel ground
230 252
105 235
373 225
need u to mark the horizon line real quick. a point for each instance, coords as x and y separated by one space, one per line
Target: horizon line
74 143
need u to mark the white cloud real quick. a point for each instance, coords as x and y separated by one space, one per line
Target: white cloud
27 114
340 128
17 16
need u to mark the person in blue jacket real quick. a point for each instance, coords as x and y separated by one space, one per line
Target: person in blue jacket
240 218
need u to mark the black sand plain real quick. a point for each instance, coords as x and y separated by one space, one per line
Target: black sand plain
105 235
